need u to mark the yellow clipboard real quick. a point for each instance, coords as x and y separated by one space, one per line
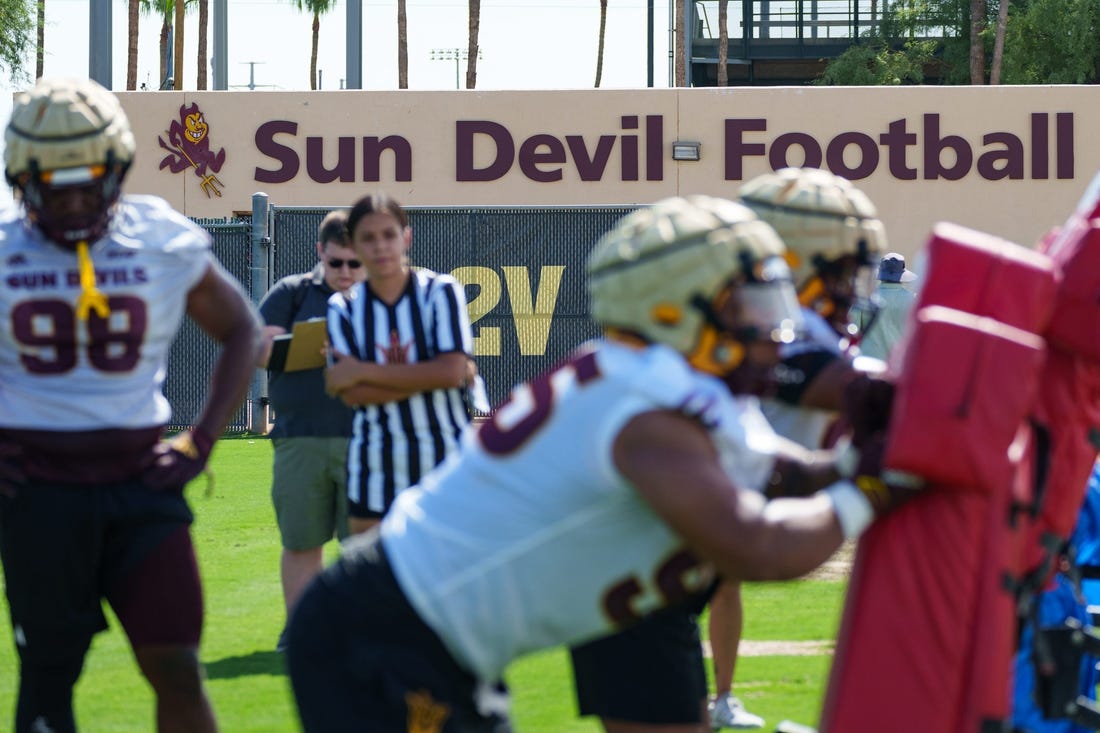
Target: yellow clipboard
302 348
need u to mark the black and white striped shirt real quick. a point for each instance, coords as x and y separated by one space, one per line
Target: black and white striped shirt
395 443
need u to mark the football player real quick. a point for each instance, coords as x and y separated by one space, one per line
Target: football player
650 679
834 238
613 487
91 499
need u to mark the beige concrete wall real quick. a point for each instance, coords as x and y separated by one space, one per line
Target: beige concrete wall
1008 160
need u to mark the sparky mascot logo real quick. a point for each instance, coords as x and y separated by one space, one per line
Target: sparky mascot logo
189 147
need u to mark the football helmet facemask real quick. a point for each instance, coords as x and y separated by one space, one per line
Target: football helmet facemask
833 236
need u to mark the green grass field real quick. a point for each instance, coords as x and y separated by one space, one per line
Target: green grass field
238 548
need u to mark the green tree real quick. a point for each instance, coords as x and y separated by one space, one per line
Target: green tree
1053 42
17 36
875 63
912 37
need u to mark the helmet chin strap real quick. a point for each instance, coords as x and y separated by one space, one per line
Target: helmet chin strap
91 298
717 351
814 296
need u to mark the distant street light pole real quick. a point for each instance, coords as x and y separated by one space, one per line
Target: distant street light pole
453 54
252 73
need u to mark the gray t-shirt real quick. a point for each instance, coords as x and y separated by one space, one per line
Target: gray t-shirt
301 406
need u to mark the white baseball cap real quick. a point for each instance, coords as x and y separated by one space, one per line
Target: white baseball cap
892 269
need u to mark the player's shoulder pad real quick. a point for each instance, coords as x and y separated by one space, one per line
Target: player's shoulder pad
661 375
11 221
154 225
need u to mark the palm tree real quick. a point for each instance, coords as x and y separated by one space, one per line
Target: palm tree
681 46
204 20
723 44
133 10
317 8
473 51
164 7
599 49
178 39
40 48
402 47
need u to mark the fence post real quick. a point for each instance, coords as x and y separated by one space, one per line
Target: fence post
258 284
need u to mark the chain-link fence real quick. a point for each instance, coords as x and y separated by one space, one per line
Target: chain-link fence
193 352
523 268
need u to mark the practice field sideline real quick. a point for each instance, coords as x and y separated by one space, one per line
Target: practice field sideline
237 544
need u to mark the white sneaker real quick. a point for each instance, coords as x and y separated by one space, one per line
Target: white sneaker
727 711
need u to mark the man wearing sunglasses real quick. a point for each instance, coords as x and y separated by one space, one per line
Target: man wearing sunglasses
312 430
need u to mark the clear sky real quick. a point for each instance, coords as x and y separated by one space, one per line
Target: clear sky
525 44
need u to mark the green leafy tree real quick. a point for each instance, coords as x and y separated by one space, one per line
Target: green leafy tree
913 38
17 36
875 63
1053 42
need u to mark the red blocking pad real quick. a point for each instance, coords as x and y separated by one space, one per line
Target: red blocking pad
1068 406
955 417
979 273
1075 323
926 636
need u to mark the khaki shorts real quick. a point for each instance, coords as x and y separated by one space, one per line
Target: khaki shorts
309 490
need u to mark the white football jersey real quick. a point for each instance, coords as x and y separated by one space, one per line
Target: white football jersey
530 537
58 372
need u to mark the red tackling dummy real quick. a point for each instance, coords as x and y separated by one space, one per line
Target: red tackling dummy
926 638
1069 389
966 370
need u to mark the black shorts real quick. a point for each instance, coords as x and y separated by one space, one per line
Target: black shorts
360 658
66 548
650 673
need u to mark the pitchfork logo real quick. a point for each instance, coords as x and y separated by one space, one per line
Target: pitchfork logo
188 147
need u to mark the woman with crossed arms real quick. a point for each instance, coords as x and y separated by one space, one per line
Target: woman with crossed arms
402 356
